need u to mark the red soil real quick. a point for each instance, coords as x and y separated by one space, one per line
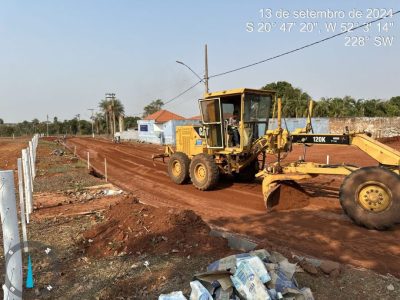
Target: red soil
290 197
320 229
131 227
10 151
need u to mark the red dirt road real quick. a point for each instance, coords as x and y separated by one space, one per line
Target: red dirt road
10 151
320 229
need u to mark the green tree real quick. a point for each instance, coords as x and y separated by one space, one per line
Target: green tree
55 128
321 108
153 107
294 100
393 106
100 123
131 122
108 106
1 121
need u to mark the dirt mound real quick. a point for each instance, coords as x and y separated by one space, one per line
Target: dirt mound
187 217
290 196
134 228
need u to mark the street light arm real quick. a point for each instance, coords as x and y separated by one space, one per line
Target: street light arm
197 75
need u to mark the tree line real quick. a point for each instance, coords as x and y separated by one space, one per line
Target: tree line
294 105
101 122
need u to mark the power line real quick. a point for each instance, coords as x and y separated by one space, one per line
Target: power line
279 55
303 47
176 97
184 92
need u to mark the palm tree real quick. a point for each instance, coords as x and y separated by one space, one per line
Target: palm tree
98 118
110 107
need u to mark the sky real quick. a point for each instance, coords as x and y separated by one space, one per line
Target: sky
60 57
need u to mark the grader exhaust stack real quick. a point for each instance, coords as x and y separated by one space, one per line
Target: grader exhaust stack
234 139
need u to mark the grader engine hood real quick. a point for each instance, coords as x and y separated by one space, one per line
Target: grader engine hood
190 139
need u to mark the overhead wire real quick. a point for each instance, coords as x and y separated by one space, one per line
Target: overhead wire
280 55
184 92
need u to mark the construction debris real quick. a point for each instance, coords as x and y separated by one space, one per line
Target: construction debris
57 152
235 241
254 275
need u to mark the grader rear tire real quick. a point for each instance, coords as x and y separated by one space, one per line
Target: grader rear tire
370 196
178 167
204 172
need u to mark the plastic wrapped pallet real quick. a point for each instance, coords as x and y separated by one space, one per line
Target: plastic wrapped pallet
248 284
199 292
172 296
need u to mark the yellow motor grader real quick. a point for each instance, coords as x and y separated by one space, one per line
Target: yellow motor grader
234 138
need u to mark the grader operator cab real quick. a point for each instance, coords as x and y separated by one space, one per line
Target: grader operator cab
234 138
231 122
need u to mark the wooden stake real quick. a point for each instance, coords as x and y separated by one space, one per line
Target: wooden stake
105 169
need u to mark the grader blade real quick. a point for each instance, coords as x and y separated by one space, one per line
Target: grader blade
283 193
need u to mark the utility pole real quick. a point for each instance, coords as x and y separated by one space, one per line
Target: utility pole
78 116
47 126
112 117
92 118
206 69
113 114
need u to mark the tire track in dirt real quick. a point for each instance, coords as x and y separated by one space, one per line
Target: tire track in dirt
320 230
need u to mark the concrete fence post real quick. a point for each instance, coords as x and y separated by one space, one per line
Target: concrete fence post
34 149
36 144
29 160
88 160
27 184
11 241
22 204
32 157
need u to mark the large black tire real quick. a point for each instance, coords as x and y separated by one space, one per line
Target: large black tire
370 196
248 174
178 168
204 172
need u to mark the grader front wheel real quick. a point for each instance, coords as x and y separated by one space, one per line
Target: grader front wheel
371 197
178 167
204 172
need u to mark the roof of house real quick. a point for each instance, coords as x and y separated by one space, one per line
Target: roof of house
163 116
195 118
